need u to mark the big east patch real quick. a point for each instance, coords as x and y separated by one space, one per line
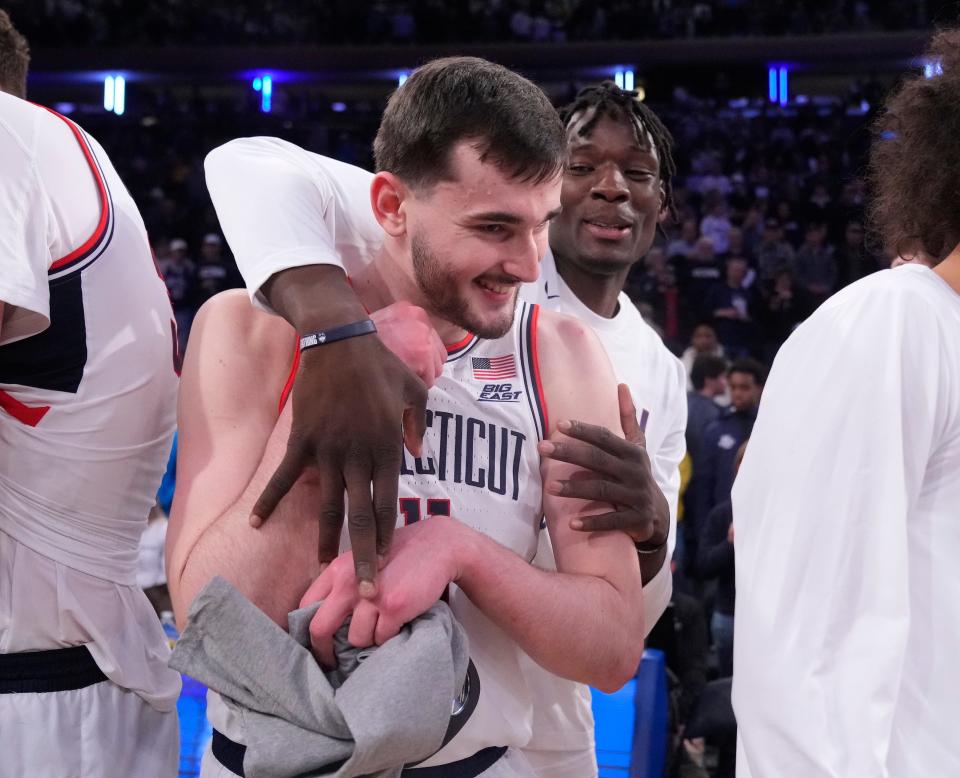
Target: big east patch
501 393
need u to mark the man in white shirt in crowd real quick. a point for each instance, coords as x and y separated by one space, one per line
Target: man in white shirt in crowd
615 191
847 506
88 382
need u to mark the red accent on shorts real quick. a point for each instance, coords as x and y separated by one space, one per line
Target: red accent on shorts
22 413
101 193
535 359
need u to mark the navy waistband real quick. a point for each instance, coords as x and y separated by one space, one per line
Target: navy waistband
230 754
56 670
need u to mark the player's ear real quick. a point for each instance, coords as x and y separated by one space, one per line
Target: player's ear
387 196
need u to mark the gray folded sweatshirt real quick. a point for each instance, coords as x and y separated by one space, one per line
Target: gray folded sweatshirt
381 709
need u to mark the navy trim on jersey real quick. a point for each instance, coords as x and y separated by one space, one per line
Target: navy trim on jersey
525 349
95 251
463 350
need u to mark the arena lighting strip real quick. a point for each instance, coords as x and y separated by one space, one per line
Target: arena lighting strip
114 94
778 82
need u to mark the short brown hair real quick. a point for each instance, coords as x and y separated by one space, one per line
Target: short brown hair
915 158
453 99
14 58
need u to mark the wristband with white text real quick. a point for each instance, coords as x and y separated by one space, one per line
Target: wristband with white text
323 337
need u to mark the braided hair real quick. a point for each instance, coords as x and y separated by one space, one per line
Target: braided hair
607 99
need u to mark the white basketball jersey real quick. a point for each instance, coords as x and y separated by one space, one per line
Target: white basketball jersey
485 416
88 404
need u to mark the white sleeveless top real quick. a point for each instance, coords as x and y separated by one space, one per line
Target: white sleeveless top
480 464
88 382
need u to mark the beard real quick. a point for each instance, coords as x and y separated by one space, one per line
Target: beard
439 287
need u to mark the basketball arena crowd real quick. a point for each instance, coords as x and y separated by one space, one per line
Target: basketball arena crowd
769 219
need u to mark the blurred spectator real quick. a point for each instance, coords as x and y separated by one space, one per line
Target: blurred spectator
180 275
854 260
703 342
731 304
213 275
683 245
701 272
725 435
773 252
816 266
709 378
716 226
716 561
785 306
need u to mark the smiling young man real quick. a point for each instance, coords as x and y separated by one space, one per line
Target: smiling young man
469 158
319 213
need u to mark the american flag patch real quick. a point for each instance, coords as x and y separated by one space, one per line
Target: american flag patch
494 368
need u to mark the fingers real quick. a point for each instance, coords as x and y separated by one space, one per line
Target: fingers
595 435
386 485
632 429
595 489
387 627
363 624
587 456
330 516
320 588
614 520
363 530
281 482
327 620
414 416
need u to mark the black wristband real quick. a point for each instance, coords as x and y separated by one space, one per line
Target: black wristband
650 551
323 337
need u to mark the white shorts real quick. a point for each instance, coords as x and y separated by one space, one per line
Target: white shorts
563 764
512 764
101 731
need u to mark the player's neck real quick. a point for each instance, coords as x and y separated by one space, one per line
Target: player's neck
597 291
949 269
382 283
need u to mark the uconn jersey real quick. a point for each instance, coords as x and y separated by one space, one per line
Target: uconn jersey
87 352
479 464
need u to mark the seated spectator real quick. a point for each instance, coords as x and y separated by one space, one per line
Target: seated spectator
709 378
701 272
773 252
737 244
815 263
785 305
716 226
716 561
725 435
683 245
213 275
180 275
854 259
703 342
731 304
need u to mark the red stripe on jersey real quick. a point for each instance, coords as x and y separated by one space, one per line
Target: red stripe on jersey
460 344
101 193
535 359
288 386
23 413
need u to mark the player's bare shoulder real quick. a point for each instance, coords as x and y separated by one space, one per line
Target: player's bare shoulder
575 369
561 338
247 345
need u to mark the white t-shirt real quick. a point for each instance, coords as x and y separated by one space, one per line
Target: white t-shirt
847 522
281 206
87 402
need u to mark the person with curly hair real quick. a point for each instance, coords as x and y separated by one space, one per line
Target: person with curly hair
847 506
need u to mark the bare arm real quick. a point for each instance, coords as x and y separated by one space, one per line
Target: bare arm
230 441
